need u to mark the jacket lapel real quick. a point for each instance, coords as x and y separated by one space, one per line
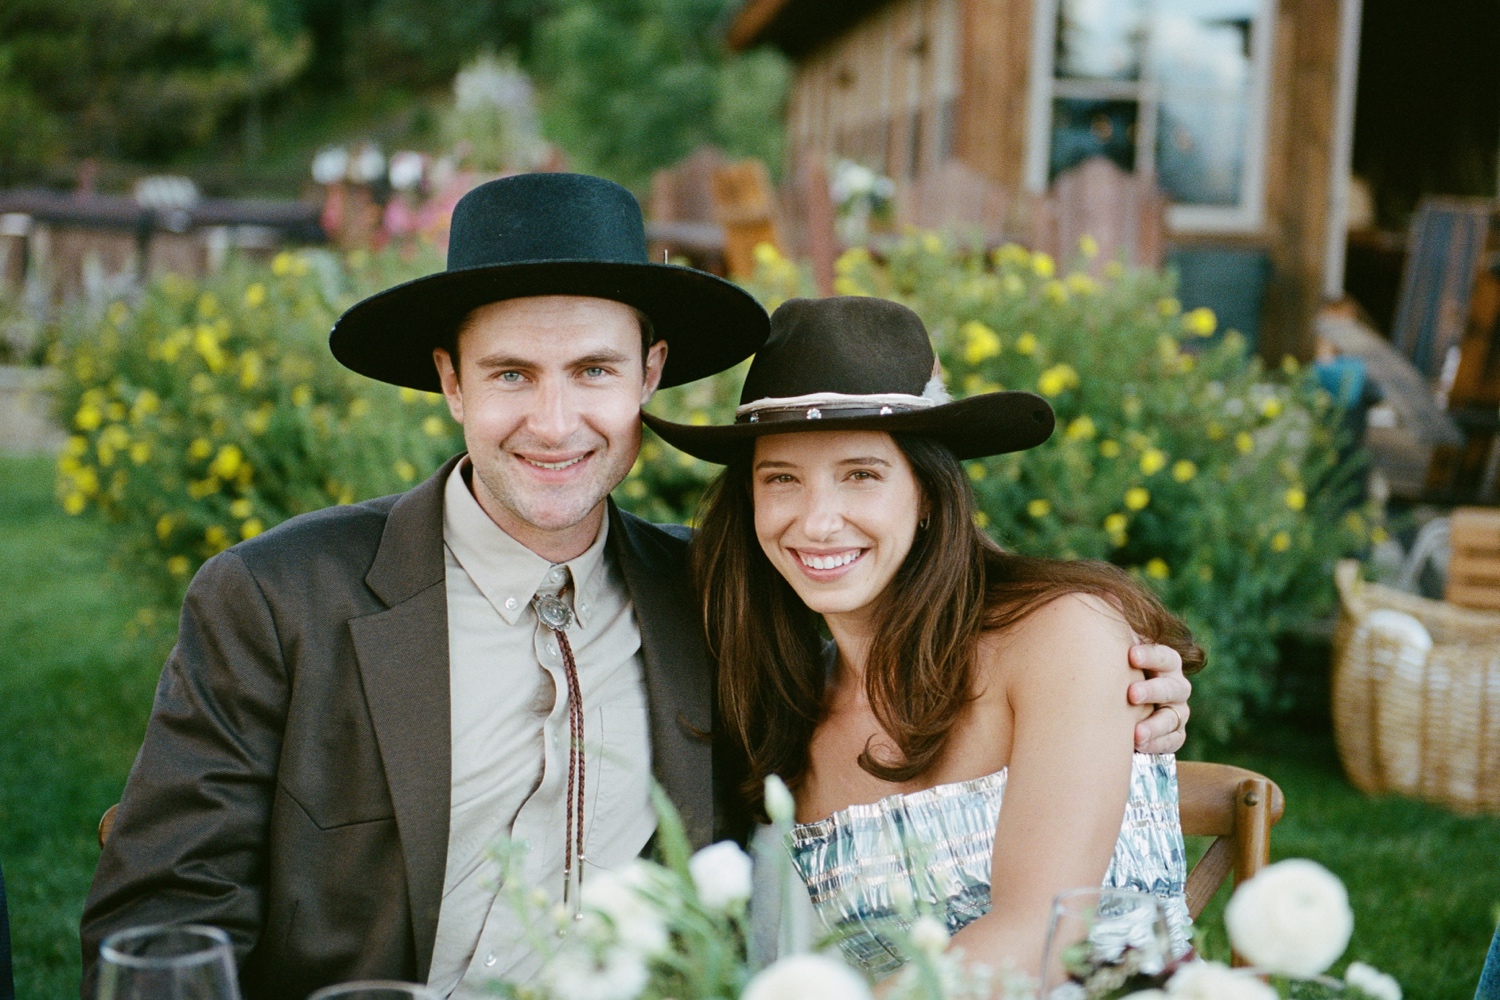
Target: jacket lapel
679 679
403 662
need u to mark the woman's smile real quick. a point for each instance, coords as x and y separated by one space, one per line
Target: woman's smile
828 565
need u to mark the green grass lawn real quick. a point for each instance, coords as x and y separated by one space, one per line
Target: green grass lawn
75 690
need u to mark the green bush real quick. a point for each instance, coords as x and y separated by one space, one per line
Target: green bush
1177 455
205 413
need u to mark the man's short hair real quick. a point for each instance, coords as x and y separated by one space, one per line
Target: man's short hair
648 334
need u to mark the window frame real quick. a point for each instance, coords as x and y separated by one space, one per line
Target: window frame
1245 217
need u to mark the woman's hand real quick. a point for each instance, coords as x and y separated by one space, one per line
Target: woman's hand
1165 730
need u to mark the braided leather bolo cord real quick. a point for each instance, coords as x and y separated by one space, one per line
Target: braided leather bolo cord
556 617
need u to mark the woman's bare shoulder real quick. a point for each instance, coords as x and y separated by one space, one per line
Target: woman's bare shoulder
1080 628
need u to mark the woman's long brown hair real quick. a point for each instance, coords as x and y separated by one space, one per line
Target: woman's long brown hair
954 585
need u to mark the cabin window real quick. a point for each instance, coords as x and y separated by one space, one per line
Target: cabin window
1174 89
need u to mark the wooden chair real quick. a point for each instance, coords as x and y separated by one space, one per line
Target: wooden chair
1123 213
107 823
1238 808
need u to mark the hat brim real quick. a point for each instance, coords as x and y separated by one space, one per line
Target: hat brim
991 424
708 323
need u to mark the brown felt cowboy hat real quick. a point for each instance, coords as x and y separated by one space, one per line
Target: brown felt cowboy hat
859 363
549 234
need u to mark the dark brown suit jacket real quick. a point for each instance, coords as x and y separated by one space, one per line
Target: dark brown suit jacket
293 785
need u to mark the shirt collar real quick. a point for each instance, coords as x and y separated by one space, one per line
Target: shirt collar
507 572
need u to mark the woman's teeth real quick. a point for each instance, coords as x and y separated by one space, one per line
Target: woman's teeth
829 562
556 465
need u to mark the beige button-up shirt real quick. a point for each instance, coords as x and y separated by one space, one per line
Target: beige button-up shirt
510 734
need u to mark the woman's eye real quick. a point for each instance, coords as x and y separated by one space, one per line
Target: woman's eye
860 475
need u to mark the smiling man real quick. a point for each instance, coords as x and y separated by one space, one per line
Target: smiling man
364 699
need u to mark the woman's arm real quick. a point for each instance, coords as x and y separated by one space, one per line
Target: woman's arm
1063 674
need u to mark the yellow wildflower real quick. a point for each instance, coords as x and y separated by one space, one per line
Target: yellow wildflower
358 408
767 254
255 296
77 446
1184 470
1186 363
1355 522
1114 270
227 462
1244 443
698 418
1290 365
216 538
241 509
1200 322
74 503
1206 573
118 313
178 565
251 528
1055 291
433 426
1109 448
635 489
976 384
1039 507
1137 497
981 520
405 471
685 460
1012 253
1057 379
1214 430
409 395
1080 428
115 411
208 305
980 342
1271 408
258 421
977 471
1082 284
850 260
200 448
1116 523
86 480
145 405
1088 246
301 394
164 526
1378 535
88 417
1157 569
201 383
1281 541
848 286
1013 285
1168 306
1043 265
1296 498
932 243
140 452
1152 461
281 264
249 369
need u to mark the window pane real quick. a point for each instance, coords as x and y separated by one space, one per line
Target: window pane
1200 147
1081 129
1100 39
1203 43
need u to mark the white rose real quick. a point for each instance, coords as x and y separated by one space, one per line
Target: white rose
929 936
779 804
635 922
721 873
1213 981
1370 980
1292 918
578 973
803 976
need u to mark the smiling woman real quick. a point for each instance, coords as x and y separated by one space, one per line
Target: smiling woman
959 674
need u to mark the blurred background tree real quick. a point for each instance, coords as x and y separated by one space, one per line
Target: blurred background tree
239 93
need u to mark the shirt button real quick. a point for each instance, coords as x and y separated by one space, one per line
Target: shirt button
510 604
552 648
557 573
584 608
489 960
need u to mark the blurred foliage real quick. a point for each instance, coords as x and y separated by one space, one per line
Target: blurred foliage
1177 455
205 413
633 85
132 79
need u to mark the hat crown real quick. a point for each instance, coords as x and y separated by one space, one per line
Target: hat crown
850 344
546 217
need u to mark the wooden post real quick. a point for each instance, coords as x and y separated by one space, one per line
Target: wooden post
743 207
817 209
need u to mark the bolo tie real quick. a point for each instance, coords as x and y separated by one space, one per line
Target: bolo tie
555 614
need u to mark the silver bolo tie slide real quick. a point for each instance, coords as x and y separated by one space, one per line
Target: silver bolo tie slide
554 613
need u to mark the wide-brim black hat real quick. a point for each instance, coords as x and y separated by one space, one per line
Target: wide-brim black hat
549 234
859 363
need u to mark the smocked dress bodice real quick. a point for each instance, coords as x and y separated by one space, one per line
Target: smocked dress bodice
864 864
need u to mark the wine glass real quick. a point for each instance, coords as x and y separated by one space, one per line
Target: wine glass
167 962
375 989
1099 940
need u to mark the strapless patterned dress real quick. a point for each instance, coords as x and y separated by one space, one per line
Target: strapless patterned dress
936 845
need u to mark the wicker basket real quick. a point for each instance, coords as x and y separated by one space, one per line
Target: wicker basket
1416 695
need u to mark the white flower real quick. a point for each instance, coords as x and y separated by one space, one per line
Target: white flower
803 976
1370 980
578 973
1213 981
779 804
1292 918
330 165
405 170
721 873
616 898
929 936
1147 995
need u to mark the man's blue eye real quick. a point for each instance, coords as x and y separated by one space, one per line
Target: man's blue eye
510 376
593 372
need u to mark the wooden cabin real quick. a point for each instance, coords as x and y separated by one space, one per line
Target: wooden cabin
1241 112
